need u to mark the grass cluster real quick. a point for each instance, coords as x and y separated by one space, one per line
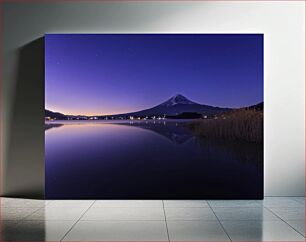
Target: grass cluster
239 125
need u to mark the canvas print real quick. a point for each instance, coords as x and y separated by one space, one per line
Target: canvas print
151 116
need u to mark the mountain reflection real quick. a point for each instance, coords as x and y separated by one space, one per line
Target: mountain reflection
177 132
52 125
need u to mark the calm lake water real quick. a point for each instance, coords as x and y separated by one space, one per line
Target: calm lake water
146 159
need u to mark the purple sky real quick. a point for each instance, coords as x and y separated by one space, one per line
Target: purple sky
117 73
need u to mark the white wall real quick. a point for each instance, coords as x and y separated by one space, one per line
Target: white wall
283 25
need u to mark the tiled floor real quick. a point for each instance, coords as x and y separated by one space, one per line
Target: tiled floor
274 219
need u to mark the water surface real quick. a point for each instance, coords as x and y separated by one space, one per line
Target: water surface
147 159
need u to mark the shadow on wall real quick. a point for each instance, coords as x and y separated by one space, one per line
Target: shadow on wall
25 157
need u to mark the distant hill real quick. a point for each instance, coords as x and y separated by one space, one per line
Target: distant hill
257 107
54 115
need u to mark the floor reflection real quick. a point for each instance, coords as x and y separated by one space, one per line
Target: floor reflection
26 230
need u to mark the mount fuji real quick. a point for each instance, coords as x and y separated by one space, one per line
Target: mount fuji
176 105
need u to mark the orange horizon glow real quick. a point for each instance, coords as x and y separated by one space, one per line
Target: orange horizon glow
92 113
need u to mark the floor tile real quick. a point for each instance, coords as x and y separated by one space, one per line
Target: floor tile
22 203
298 225
16 213
70 203
244 214
261 231
235 203
290 213
189 214
39 230
300 200
281 202
57 213
118 231
128 203
124 214
185 203
196 231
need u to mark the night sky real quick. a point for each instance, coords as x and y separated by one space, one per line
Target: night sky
93 74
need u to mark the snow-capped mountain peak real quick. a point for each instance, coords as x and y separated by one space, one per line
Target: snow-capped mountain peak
177 99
